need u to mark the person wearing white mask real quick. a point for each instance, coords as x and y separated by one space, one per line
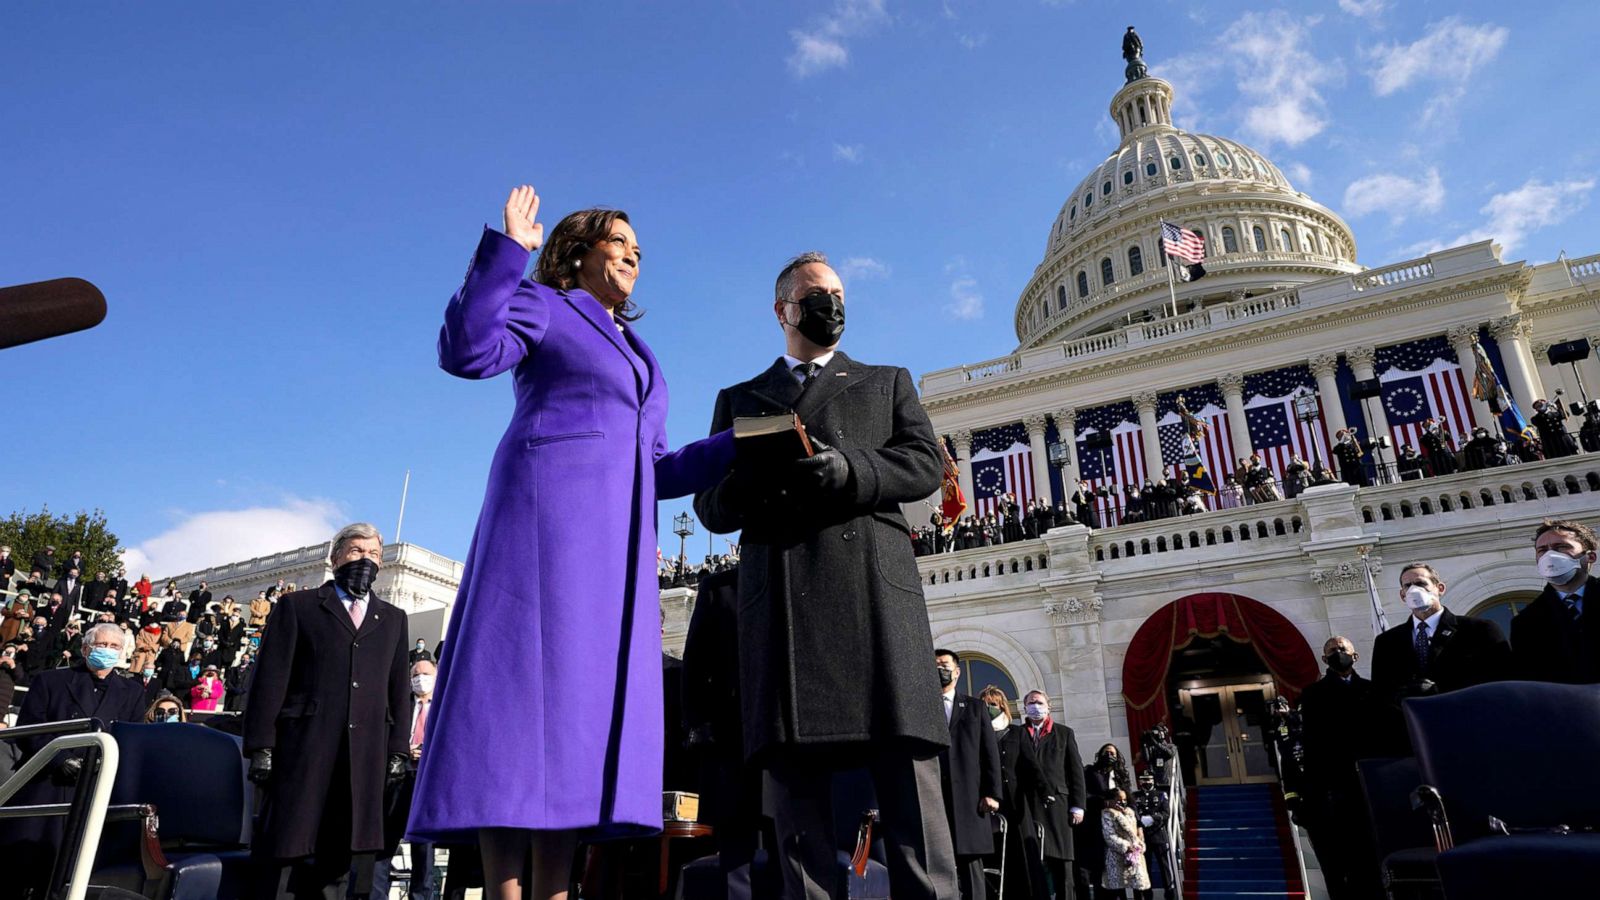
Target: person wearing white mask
1059 804
1432 652
1557 636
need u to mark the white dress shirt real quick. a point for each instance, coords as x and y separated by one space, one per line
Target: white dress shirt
821 361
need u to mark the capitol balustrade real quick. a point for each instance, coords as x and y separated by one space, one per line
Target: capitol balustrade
1584 268
1517 495
1223 316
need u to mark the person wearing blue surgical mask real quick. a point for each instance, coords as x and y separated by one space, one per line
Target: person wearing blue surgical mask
1557 636
166 710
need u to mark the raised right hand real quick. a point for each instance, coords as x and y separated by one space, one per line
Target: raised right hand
522 208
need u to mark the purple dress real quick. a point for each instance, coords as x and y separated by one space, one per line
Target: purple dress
549 695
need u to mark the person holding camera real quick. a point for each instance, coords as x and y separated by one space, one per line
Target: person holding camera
1433 651
1550 420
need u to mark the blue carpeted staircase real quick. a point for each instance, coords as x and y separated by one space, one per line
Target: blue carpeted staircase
1237 844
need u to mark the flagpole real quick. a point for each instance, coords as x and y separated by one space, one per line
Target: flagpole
1172 290
1380 622
404 489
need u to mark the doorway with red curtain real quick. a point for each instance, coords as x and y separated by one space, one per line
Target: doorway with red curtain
1235 626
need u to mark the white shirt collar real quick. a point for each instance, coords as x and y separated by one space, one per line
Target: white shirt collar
346 599
1432 622
821 361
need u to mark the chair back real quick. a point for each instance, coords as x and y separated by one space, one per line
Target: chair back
195 777
1387 784
1520 750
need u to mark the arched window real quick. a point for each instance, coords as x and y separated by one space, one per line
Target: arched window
1499 610
1230 241
1135 261
1073 216
1322 241
1150 169
1106 275
1106 188
1177 163
1127 177
1260 238
1083 284
1061 296
1199 159
1285 242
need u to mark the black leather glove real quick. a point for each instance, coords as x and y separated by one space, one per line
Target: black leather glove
827 470
261 766
67 772
397 768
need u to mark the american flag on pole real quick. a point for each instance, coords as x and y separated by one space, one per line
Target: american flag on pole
1275 431
1119 464
1002 462
1182 244
1421 380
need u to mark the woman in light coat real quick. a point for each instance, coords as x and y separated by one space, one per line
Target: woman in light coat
1125 846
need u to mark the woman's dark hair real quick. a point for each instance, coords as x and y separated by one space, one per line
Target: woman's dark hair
568 242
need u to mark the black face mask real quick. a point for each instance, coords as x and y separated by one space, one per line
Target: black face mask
1340 661
821 318
946 677
356 576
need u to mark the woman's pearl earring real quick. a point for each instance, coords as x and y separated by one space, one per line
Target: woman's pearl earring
577 264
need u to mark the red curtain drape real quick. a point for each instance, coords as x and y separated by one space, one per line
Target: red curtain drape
1274 638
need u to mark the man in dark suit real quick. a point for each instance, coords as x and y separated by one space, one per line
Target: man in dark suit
1059 804
1020 779
75 561
70 587
1335 713
89 689
199 602
834 640
1552 638
326 727
8 568
1433 651
45 561
94 593
969 771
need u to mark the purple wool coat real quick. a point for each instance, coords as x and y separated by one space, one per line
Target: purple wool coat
559 599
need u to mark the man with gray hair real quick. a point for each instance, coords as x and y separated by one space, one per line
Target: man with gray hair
834 646
89 689
320 730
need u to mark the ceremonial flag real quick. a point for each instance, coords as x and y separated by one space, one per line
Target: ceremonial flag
952 503
1195 445
1002 463
1276 432
1486 386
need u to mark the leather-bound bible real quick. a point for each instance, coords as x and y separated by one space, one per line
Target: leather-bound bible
770 439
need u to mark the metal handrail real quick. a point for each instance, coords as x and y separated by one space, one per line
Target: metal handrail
93 796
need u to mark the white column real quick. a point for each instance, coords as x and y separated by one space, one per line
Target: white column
1462 339
1067 429
1232 384
1324 368
1361 363
1590 368
1520 378
1145 403
1552 377
963 441
1041 456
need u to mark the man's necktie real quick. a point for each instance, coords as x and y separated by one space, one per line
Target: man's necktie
1573 609
356 612
422 724
1422 648
806 371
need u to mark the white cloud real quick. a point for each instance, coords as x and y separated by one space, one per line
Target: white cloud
822 46
973 41
1364 9
1268 56
1447 54
850 153
1516 214
861 268
208 539
965 300
1396 195
1299 174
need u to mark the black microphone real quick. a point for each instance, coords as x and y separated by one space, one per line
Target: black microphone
44 309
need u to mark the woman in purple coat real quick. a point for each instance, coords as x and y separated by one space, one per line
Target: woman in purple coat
558 597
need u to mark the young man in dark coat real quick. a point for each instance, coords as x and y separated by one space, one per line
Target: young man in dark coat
1557 636
1059 805
1433 651
969 771
834 640
326 726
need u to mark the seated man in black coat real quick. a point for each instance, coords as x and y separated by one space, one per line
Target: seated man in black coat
969 770
1553 638
1432 652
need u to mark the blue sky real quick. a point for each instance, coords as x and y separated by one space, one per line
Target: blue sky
278 199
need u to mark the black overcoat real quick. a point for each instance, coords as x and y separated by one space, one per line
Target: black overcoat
323 689
970 769
834 643
1061 773
1546 645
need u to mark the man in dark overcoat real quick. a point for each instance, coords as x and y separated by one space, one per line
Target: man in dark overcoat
1557 636
1060 803
969 771
834 643
326 726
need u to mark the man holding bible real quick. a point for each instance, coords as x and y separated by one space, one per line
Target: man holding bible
834 644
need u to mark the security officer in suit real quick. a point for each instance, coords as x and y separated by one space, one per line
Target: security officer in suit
969 771
1557 636
327 727
1433 651
834 640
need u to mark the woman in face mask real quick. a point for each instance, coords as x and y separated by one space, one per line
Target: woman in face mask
1019 775
206 695
166 709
